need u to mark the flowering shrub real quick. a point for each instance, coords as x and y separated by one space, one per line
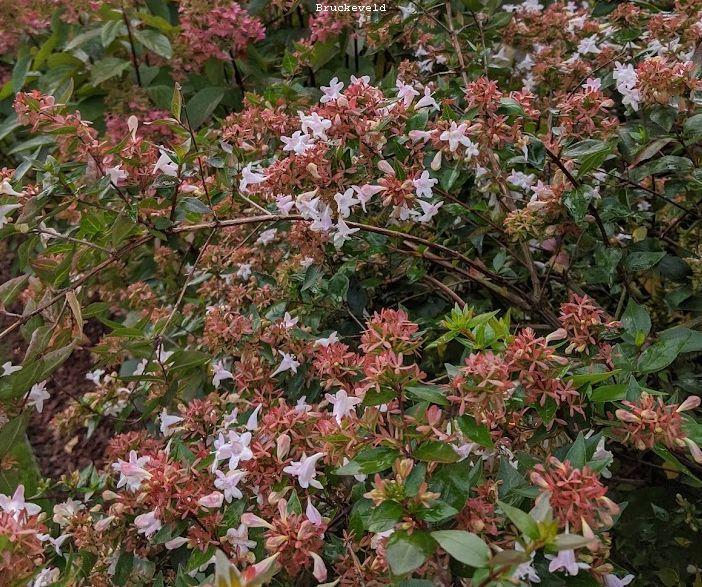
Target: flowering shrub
401 296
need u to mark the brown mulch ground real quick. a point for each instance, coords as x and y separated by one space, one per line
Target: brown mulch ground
54 454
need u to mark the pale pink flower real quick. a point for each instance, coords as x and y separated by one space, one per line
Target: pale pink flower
132 472
148 524
37 396
289 363
343 405
8 368
212 500
456 135
304 470
16 504
167 422
228 483
566 561
220 374
332 91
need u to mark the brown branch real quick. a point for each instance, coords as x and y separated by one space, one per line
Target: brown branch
480 273
456 44
446 290
514 297
116 256
632 183
135 62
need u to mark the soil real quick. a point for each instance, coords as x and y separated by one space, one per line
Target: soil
57 456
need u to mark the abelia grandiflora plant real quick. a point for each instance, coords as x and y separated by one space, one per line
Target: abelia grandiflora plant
245 471
266 261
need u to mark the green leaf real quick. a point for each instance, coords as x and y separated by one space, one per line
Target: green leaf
609 393
107 68
418 121
183 360
46 49
437 512
377 398
435 451
523 521
312 277
449 176
692 128
199 558
577 452
123 569
406 552
584 378
476 432
660 355
196 206
11 432
159 8
584 148
592 161
201 106
338 286
691 339
499 20
11 289
79 40
8 125
176 101
375 460
155 42
19 72
38 343
465 547
636 322
384 517
663 165
576 202
510 107
25 469
121 228
51 361
110 31
429 393
642 261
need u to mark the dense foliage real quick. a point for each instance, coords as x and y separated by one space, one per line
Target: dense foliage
407 294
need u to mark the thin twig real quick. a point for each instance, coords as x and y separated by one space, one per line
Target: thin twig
446 290
71 239
77 283
591 208
135 62
187 281
456 44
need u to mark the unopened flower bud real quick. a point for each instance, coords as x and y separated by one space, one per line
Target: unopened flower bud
694 450
253 521
282 446
626 416
690 403
312 170
275 542
103 524
403 468
211 500
175 543
436 162
385 167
